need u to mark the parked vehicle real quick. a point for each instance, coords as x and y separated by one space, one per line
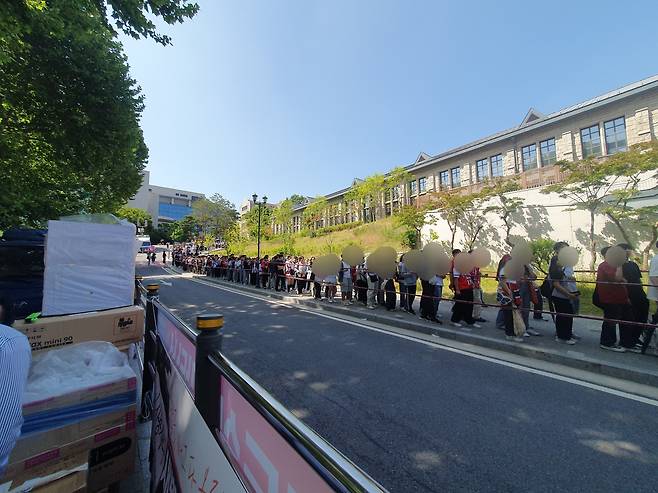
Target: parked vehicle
21 269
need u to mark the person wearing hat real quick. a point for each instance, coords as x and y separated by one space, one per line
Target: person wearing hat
638 298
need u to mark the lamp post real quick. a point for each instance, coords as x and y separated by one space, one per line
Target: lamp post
260 205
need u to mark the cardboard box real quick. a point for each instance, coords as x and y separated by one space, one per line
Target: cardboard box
81 396
36 444
110 453
73 483
48 473
120 326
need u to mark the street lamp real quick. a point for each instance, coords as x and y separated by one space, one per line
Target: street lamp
260 205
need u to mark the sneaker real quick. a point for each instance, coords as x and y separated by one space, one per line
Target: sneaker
570 342
371 307
436 320
411 310
477 326
331 300
456 324
633 349
616 349
533 332
526 334
514 338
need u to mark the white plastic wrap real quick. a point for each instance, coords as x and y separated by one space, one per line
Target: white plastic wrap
73 368
88 267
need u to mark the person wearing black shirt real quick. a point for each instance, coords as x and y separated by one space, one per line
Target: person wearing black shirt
639 301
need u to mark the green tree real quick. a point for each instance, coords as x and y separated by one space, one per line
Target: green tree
214 215
586 185
313 212
367 194
138 217
542 251
185 229
453 207
234 240
396 179
250 222
504 205
163 233
412 219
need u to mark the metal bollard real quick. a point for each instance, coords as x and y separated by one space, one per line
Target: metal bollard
206 385
152 291
137 298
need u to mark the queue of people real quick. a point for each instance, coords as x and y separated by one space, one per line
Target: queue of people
618 292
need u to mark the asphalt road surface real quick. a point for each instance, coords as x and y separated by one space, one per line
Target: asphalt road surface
419 418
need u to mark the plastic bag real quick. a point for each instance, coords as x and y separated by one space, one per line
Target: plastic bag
72 368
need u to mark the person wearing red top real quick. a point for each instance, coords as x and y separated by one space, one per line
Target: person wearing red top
616 306
462 285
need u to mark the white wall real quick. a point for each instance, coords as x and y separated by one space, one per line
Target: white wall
542 215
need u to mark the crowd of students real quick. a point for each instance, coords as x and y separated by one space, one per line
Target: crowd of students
619 292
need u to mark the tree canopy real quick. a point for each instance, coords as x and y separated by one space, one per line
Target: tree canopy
214 215
138 217
70 140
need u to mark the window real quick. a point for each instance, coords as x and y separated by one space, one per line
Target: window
387 209
396 192
547 152
615 135
591 141
422 184
482 169
454 174
444 179
497 165
387 196
413 187
529 157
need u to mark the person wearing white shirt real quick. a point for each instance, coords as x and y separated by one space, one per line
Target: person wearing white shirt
15 359
653 280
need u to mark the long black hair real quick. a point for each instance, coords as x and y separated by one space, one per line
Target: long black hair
7 305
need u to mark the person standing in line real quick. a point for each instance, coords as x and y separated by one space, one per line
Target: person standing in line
410 282
653 280
15 359
527 289
427 301
264 271
637 297
476 277
462 285
164 257
507 296
613 296
437 283
345 280
563 294
153 257
401 273
500 317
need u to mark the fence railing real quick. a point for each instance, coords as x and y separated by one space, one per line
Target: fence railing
212 423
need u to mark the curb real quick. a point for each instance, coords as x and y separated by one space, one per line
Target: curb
581 363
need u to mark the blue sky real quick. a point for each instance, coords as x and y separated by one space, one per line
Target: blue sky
283 97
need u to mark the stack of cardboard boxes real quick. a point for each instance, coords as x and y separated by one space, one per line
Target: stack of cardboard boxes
82 440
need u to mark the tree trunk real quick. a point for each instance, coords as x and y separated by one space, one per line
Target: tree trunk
647 250
622 230
592 241
453 232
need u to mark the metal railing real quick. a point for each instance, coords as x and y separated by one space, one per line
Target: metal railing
211 371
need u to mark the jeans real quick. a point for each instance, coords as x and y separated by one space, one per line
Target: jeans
500 319
505 313
411 295
403 296
477 298
524 290
563 317
609 329
372 287
438 292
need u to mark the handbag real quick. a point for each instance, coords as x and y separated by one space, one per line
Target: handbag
519 325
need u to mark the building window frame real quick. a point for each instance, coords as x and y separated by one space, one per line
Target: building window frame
547 152
495 164
413 188
593 146
455 173
529 157
443 184
615 124
482 171
422 184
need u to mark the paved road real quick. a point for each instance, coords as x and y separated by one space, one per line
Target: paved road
419 418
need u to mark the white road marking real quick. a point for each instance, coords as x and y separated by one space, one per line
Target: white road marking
535 371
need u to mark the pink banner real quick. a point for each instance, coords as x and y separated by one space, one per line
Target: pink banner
263 458
180 349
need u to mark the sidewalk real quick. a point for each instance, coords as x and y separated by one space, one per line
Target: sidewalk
586 355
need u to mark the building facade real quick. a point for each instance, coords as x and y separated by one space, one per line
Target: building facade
601 126
164 204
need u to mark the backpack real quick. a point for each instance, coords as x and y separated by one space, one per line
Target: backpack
596 301
546 288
